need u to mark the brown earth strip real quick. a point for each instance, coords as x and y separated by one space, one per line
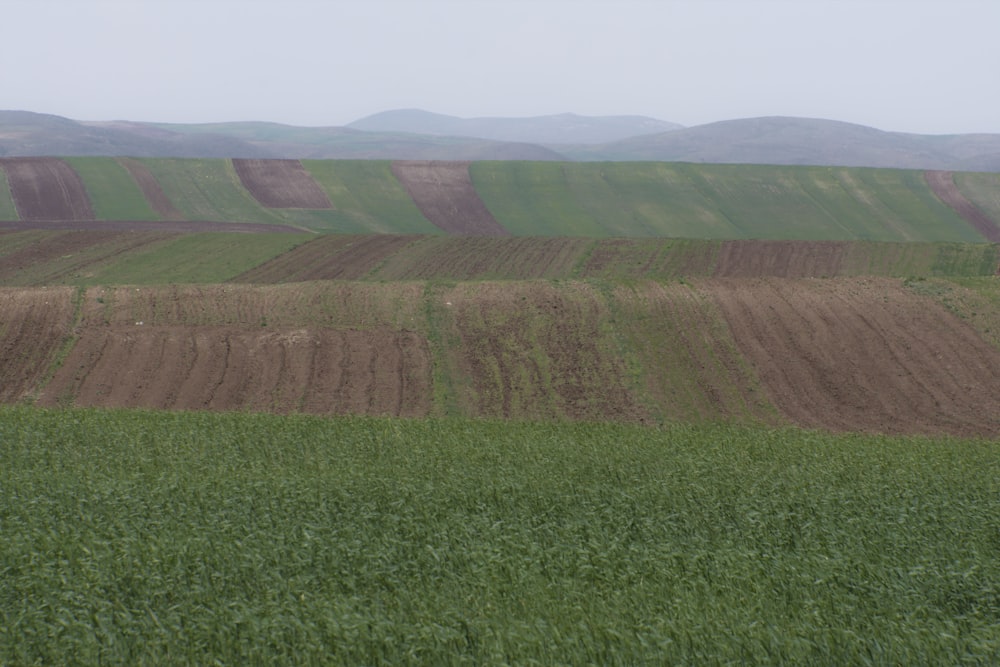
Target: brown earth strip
444 193
178 227
328 258
781 259
478 258
943 185
865 354
281 184
323 371
34 325
151 189
47 189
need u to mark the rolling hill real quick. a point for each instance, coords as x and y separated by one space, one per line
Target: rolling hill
421 135
498 198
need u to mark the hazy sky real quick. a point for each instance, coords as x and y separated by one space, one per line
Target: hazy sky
908 65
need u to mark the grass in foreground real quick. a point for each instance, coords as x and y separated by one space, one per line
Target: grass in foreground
136 537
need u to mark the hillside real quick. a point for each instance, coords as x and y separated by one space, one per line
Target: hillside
499 198
421 135
859 354
564 128
802 141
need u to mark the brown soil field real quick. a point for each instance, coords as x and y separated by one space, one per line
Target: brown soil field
864 355
451 258
847 354
645 258
943 185
34 326
46 189
444 193
281 184
783 259
325 371
151 189
332 257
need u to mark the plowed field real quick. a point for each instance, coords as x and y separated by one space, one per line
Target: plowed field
867 355
281 184
215 368
46 189
34 325
444 193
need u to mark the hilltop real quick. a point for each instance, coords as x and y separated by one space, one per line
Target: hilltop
420 135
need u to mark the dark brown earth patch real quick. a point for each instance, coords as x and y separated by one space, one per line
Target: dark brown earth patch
780 259
943 185
444 193
151 189
322 371
46 189
328 258
864 355
34 325
281 184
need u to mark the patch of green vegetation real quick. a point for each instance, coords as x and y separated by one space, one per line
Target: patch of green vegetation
983 190
367 198
196 258
113 192
715 202
146 538
8 211
208 190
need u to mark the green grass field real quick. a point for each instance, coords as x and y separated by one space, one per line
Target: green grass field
367 198
195 258
112 191
716 201
7 209
152 538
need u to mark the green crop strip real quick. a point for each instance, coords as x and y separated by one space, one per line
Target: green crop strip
150 538
113 192
7 209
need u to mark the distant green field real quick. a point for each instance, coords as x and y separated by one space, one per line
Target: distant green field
195 258
112 191
367 198
208 190
716 201
7 209
983 190
156 538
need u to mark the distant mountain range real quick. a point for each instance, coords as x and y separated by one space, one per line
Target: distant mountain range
421 135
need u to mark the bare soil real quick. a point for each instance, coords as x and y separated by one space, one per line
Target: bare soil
324 371
781 259
47 189
34 325
151 189
864 355
943 185
281 184
329 257
444 193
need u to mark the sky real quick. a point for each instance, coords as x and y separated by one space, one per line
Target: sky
930 67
